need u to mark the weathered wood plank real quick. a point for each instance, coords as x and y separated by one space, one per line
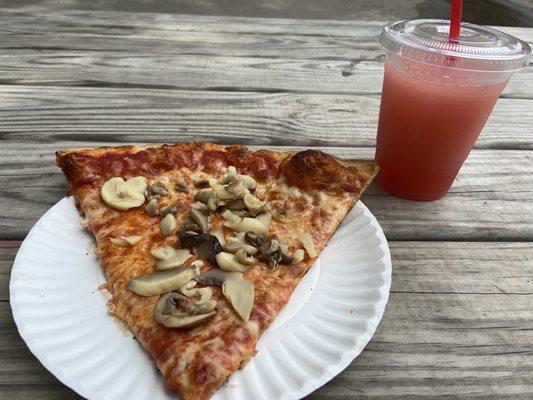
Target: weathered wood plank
458 323
127 23
490 200
110 114
123 69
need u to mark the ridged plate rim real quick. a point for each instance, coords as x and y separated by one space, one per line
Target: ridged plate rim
270 338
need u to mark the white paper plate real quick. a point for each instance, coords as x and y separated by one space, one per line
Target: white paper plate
63 318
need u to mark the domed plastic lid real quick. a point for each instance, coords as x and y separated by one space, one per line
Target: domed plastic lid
478 47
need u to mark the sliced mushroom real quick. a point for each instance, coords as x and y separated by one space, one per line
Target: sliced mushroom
193 307
164 253
204 294
207 246
126 240
123 195
253 203
181 187
200 182
161 282
246 224
178 259
307 242
203 195
190 225
238 291
237 188
198 205
219 234
151 208
168 224
280 215
236 205
221 192
167 314
228 262
200 219
157 189
298 256
235 243
265 218
171 209
254 239
242 257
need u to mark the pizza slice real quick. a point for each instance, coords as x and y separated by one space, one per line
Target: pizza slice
202 245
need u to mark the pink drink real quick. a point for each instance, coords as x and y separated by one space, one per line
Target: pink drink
436 98
426 131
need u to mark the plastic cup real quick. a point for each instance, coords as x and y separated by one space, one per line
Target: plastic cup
436 99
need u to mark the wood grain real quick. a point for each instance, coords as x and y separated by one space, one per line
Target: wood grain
458 322
490 200
194 72
49 114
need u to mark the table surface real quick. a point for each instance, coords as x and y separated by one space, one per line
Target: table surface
459 322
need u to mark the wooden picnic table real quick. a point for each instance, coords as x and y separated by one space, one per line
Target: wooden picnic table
459 322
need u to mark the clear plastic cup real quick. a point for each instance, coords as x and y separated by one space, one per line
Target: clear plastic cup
436 99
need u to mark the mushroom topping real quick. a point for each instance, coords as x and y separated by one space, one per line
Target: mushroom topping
156 189
168 224
254 239
235 243
126 240
236 205
203 294
203 195
228 262
123 195
190 225
280 215
271 251
164 253
161 282
170 257
238 291
172 209
298 256
168 315
207 246
245 224
307 242
253 203
200 182
236 188
200 219
151 208
219 235
200 207
221 192
181 187
242 257
265 218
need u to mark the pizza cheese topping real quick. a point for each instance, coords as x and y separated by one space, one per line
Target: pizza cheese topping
243 210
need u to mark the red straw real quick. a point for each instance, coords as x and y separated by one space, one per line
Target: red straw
455 20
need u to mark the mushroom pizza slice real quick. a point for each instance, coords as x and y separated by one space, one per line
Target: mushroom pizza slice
202 245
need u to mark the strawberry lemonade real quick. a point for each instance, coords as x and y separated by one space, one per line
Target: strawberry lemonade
435 102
